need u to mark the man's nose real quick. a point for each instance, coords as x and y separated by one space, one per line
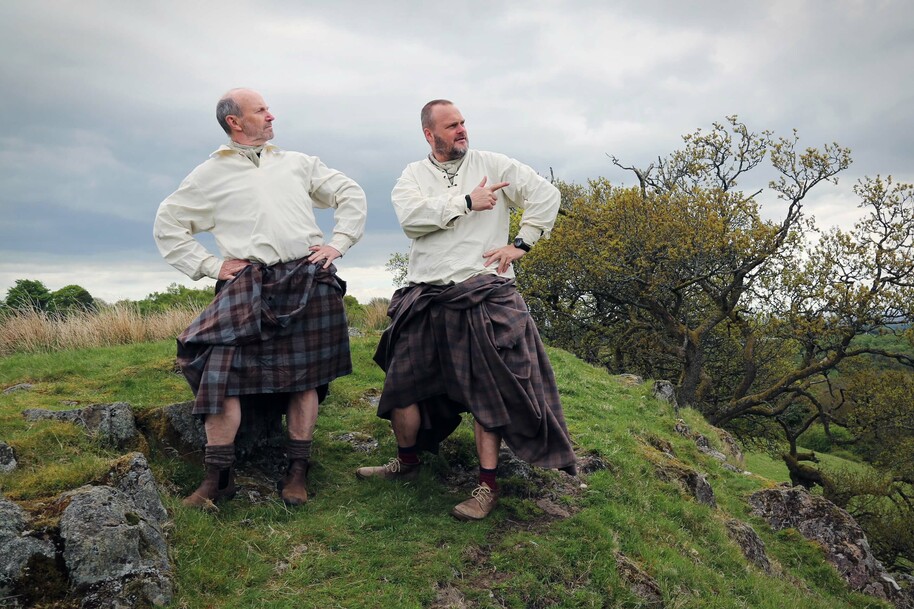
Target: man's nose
270 117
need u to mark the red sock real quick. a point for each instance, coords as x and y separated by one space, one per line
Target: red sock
408 455
488 477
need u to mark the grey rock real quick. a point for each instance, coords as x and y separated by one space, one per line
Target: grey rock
630 380
731 446
691 481
7 458
704 445
665 391
180 431
361 442
373 397
642 585
750 543
844 542
591 462
17 546
40 414
112 423
19 387
700 488
131 475
113 546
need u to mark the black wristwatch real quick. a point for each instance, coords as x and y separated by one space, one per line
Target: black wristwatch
521 244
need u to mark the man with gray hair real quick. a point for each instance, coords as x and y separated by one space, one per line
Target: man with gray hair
277 324
461 338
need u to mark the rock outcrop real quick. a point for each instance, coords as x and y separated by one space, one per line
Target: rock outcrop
7 458
666 392
102 545
751 545
844 542
113 423
20 548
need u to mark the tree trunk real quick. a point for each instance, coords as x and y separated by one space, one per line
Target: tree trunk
691 376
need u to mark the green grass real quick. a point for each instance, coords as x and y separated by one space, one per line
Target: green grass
375 544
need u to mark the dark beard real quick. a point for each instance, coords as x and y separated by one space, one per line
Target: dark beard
447 151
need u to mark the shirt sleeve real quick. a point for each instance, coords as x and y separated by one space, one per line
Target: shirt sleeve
183 214
332 189
420 214
531 192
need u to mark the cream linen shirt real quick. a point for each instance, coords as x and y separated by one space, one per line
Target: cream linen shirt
262 214
448 240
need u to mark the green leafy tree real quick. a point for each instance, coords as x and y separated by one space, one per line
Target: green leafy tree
176 295
682 278
71 298
355 311
398 265
28 294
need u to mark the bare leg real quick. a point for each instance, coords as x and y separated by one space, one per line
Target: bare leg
405 422
219 456
301 416
487 445
485 496
221 428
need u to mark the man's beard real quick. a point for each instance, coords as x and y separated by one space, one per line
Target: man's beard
448 151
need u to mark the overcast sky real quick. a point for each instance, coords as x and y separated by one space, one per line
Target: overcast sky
108 105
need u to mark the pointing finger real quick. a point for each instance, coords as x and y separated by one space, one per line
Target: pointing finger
498 186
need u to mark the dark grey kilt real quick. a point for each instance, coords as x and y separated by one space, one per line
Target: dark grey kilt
474 347
276 329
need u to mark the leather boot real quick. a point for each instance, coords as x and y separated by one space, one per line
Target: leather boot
292 486
218 482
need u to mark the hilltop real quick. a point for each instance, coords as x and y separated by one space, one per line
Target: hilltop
627 533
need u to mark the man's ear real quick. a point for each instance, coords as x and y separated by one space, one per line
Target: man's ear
428 135
234 122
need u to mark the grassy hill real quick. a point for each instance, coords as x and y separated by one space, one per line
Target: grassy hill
376 544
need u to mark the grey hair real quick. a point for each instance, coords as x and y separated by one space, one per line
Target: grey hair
227 106
426 115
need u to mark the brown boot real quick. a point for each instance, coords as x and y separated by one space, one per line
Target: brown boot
393 470
293 489
218 482
481 502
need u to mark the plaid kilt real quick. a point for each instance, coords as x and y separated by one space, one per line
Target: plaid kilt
474 347
272 329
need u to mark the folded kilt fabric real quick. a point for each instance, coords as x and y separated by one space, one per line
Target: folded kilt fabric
473 346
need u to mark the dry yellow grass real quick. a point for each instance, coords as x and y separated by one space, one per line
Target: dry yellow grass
38 331
376 314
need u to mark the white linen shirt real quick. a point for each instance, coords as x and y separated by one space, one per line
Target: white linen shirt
448 239
262 214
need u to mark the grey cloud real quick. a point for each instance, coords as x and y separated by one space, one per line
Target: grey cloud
113 104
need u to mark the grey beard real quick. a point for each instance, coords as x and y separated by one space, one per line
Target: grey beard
449 152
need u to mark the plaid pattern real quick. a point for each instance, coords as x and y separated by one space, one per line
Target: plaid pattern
474 347
275 329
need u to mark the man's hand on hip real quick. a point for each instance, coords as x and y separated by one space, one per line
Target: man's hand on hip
327 253
230 268
504 256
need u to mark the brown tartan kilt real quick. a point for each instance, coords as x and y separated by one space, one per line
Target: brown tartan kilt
473 347
276 329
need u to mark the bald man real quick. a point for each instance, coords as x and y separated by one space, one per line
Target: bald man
461 338
277 324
